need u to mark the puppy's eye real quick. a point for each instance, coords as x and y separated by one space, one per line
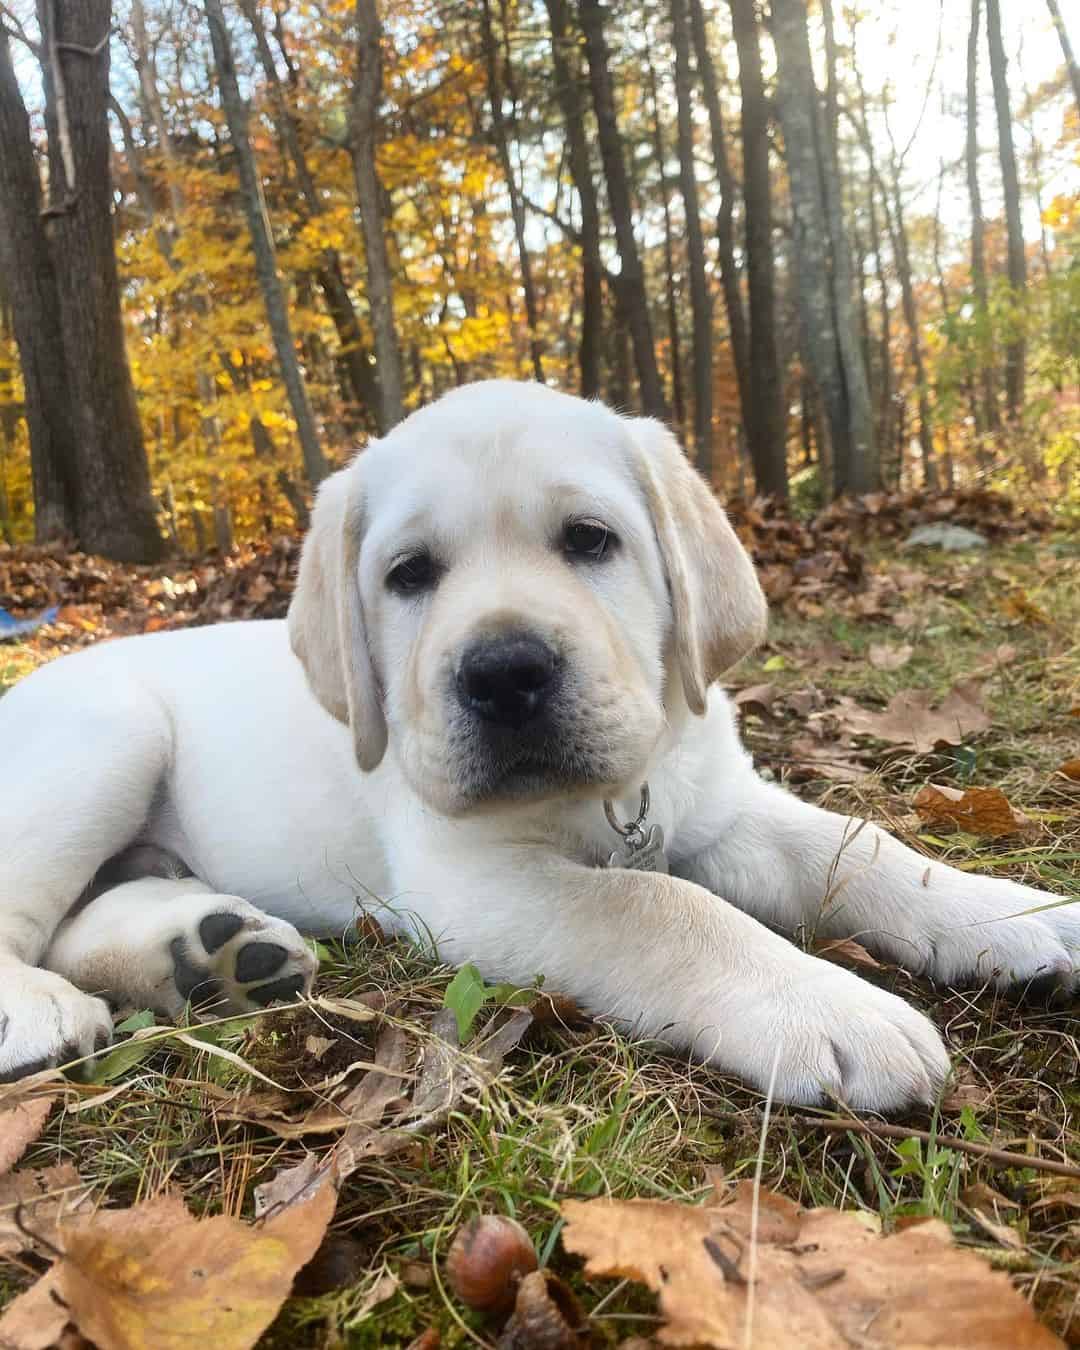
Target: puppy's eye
587 538
417 572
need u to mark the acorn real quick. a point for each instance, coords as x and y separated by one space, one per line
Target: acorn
487 1260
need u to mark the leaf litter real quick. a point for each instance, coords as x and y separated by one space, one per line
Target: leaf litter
758 1272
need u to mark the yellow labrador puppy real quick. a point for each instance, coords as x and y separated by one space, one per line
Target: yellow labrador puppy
511 616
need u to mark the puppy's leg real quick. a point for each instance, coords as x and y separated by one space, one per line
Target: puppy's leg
160 943
792 864
82 762
666 957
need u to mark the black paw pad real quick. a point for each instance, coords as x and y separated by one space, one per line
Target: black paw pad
216 929
259 960
194 983
285 989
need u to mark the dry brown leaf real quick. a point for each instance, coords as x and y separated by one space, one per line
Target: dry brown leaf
20 1125
1071 769
758 698
828 761
821 1279
890 656
983 811
1020 606
846 952
909 718
32 1203
156 1278
36 1319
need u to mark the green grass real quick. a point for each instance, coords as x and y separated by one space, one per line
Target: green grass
587 1112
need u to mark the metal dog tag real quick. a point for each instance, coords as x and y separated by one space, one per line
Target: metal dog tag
641 848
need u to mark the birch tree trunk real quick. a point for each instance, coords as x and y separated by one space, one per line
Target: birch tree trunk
363 125
277 313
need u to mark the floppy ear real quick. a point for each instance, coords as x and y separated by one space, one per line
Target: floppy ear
326 620
719 608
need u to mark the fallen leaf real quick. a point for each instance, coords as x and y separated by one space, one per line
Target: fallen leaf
20 1125
818 1279
1020 606
758 698
909 718
846 952
32 1203
890 656
827 761
36 1319
982 811
1071 769
156 1276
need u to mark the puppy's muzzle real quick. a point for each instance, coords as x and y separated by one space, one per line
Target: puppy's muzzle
507 680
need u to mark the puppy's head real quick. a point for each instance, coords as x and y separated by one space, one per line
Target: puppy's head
519 591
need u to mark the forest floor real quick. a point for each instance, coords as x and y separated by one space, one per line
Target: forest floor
867 642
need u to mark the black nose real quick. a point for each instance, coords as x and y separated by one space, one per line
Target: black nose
507 679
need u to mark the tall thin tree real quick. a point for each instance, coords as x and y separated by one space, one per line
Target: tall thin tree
826 311
634 300
986 410
262 243
363 134
763 412
1071 64
700 297
1015 348
572 108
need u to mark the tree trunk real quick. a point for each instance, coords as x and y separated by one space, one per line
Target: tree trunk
986 409
1066 49
898 231
678 399
363 126
236 114
572 107
826 312
725 231
883 426
115 510
517 210
700 299
1015 348
355 370
763 413
30 282
631 281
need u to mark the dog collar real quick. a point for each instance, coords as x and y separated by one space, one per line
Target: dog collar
641 847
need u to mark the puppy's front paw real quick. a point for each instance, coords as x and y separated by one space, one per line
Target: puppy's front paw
971 930
231 957
45 1021
833 1038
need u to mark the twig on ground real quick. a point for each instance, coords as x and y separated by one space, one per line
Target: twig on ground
998 1157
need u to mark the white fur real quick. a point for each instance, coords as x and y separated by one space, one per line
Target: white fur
211 744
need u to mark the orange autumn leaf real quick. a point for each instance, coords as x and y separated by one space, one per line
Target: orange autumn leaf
982 811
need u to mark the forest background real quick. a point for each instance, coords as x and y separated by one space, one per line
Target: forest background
834 245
